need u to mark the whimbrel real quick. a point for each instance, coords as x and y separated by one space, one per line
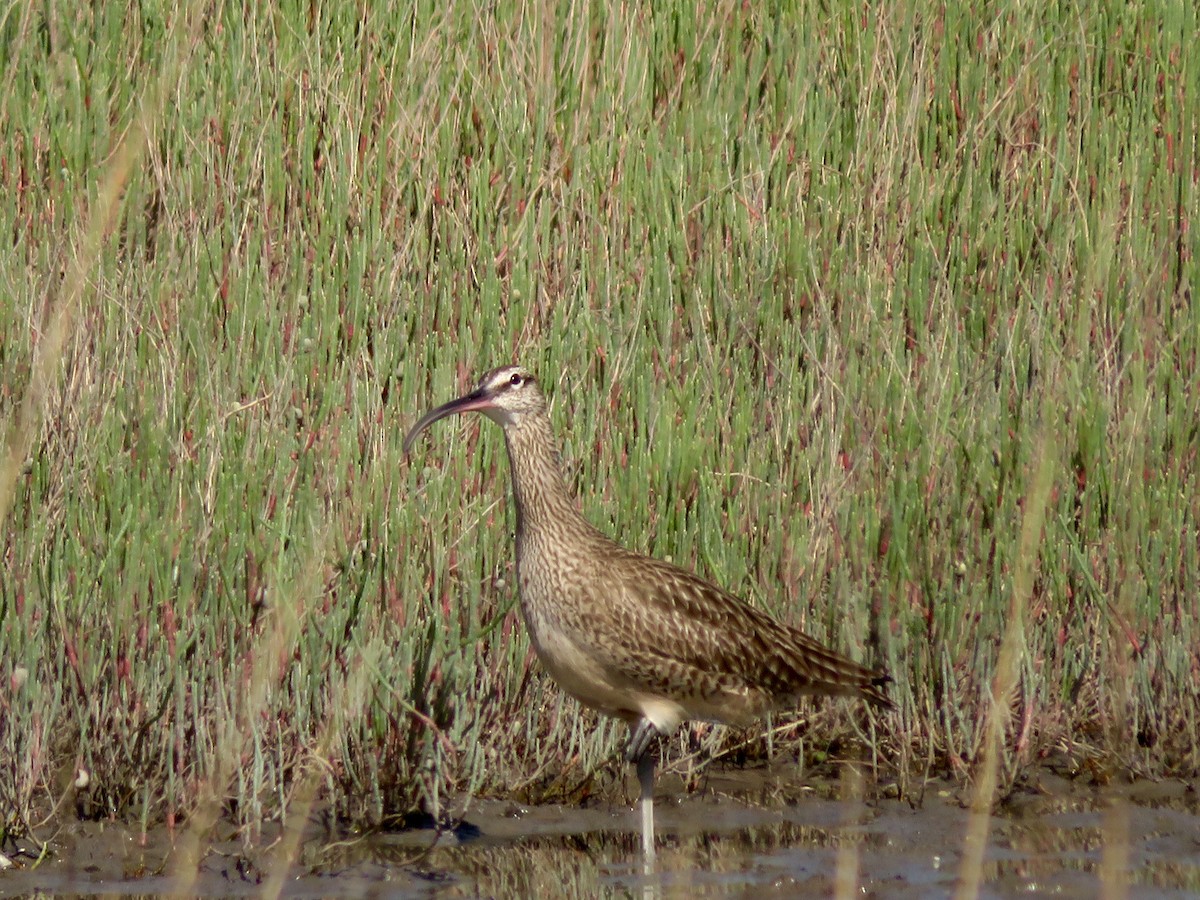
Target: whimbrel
634 637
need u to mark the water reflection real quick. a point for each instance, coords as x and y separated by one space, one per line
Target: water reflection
1061 839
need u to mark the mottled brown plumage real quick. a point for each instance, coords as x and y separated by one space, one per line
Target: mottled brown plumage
631 636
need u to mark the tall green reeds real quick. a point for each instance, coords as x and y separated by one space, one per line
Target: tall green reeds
795 281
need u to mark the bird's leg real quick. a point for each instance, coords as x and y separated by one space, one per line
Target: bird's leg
640 737
645 771
638 752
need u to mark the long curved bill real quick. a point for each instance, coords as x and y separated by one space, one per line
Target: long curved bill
477 399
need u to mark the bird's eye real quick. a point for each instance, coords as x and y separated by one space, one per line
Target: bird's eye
515 381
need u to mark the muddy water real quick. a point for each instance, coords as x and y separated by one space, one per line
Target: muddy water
743 835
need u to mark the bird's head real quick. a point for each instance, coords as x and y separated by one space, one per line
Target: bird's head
504 395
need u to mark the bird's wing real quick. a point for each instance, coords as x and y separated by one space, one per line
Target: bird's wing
675 627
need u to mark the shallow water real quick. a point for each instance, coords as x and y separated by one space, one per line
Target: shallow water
742 835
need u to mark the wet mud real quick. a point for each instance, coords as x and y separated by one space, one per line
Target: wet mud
744 834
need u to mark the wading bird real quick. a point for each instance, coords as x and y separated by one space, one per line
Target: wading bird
634 637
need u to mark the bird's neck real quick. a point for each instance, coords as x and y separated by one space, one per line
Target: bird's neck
543 500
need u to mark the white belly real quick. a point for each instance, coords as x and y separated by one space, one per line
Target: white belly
577 673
